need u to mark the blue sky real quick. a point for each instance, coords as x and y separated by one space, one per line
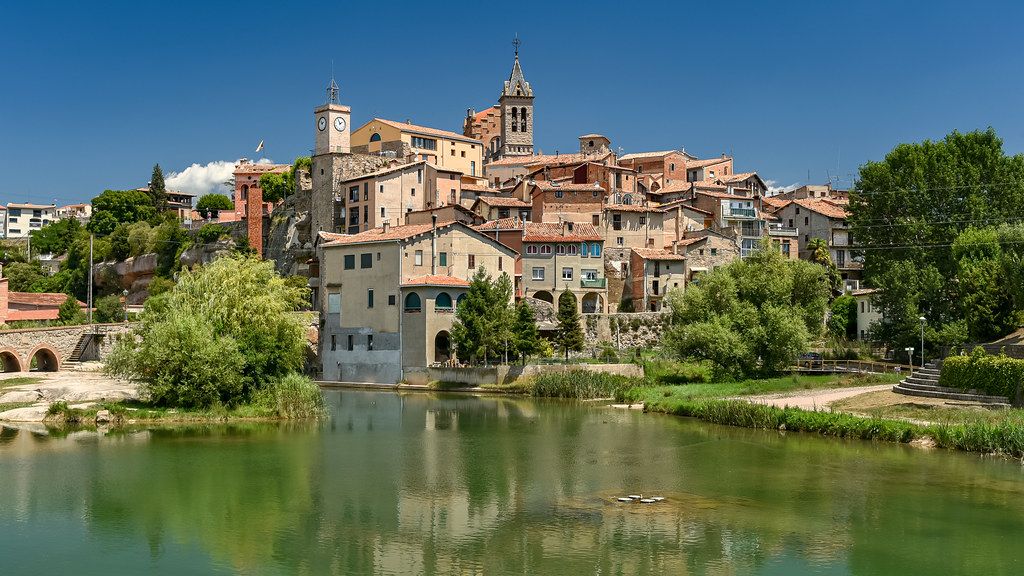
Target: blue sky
94 94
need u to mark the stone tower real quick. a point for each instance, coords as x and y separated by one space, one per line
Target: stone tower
332 137
516 105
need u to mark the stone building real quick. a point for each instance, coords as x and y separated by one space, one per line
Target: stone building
407 142
554 202
389 294
653 273
485 126
368 200
516 105
564 256
823 218
706 250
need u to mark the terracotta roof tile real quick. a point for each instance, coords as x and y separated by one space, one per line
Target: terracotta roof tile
502 224
425 130
652 254
639 155
477 188
632 208
550 186
706 162
539 159
430 280
378 234
682 204
822 206
503 201
44 299
540 232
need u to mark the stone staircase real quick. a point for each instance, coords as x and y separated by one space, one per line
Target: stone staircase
925 383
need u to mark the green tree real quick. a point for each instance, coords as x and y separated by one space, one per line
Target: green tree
842 320
169 240
820 254
569 333
109 309
278 186
752 316
22 275
70 313
116 206
526 340
906 212
223 334
211 233
157 190
56 237
987 304
210 204
481 319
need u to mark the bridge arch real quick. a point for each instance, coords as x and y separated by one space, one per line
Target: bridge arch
47 359
9 360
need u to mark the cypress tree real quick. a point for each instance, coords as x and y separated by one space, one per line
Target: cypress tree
570 334
158 190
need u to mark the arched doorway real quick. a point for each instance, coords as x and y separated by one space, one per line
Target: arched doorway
592 303
442 347
45 359
545 296
9 361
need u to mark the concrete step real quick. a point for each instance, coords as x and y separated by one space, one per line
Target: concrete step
961 396
926 381
932 388
929 371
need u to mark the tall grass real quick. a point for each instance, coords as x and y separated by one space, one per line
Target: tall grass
582 385
294 396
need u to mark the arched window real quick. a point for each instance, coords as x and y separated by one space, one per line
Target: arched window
412 302
459 300
523 126
531 249
514 116
583 249
571 249
375 137
595 249
561 249
627 199
523 116
245 192
545 249
443 302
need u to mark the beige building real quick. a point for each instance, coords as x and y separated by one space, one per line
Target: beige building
823 218
80 212
408 143
653 273
565 256
387 195
626 226
388 297
24 218
867 314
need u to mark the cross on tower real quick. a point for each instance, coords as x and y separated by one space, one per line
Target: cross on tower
516 43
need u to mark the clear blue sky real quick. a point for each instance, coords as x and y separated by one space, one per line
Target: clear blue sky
94 94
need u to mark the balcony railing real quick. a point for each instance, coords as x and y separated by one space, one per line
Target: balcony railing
776 230
744 212
595 283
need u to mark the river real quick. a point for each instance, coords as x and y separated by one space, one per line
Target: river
450 484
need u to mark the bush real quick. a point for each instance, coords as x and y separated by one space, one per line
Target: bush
210 233
988 374
294 396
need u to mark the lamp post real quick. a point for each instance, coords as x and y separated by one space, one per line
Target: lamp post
922 340
125 300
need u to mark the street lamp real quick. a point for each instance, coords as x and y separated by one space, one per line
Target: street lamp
922 319
125 299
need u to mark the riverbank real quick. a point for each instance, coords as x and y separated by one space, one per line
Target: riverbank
26 396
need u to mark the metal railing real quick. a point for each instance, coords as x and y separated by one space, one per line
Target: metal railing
595 283
829 366
746 212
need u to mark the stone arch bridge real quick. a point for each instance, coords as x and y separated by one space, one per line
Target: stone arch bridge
54 348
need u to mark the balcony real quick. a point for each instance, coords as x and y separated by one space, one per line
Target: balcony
731 212
595 283
779 230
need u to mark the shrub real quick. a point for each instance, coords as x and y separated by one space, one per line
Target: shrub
294 396
992 375
210 233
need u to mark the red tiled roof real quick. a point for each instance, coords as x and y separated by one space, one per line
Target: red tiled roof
639 155
538 232
378 234
538 159
713 194
477 188
652 254
633 208
30 205
775 203
483 113
45 299
707 162
502 224
688 241
682 204
550 187
425 130
823 206
430 280
503 201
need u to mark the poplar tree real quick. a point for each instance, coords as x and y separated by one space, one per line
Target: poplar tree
569 334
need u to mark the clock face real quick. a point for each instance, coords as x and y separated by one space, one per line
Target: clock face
339 124
321 123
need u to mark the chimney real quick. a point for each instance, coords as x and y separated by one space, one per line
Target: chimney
433 245
723 155
408 121
386 226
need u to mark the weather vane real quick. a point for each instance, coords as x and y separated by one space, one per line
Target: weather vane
516 43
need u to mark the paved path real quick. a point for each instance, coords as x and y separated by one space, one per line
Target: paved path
811 399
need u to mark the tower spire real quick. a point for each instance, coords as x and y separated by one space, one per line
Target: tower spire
332 90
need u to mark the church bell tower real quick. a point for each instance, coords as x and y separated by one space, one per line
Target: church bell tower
332 135
516 104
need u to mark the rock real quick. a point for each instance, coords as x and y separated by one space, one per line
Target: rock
103 416
19 396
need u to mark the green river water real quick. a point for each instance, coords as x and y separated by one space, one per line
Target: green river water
445 484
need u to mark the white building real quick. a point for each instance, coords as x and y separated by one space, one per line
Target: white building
23 218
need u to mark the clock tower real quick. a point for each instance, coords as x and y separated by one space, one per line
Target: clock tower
332 134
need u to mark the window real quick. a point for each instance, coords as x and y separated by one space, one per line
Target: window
545 249
558 193
571 249
369 298
798 210
583 249
806 218
366 260
334 342
412 302
419 176
375 137
453 151
418 258
391 299
785 249
640 168
471 261
588 274
472 168
350 261
617 222
596 218
861 306
618 241
643 220
424 143
790 222
595 250
443 302
714 251
560 249
412 191
672 166
499 264
383 212
351 342
353 194
442 259
538 273
566 273
458 301
463 153
531 249
369 341
381 188
366 190
16 212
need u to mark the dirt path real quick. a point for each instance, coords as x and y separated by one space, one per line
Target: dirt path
79 388
811 399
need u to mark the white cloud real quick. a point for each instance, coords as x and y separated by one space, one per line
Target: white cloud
202 180
773 189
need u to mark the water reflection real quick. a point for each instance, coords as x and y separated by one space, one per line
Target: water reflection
444 484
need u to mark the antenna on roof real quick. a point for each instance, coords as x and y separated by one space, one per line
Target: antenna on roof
332 90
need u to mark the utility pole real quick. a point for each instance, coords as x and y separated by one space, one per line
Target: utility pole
90 279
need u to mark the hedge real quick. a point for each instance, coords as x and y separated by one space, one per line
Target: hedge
987 374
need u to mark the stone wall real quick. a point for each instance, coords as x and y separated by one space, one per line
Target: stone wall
625 330
59 341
